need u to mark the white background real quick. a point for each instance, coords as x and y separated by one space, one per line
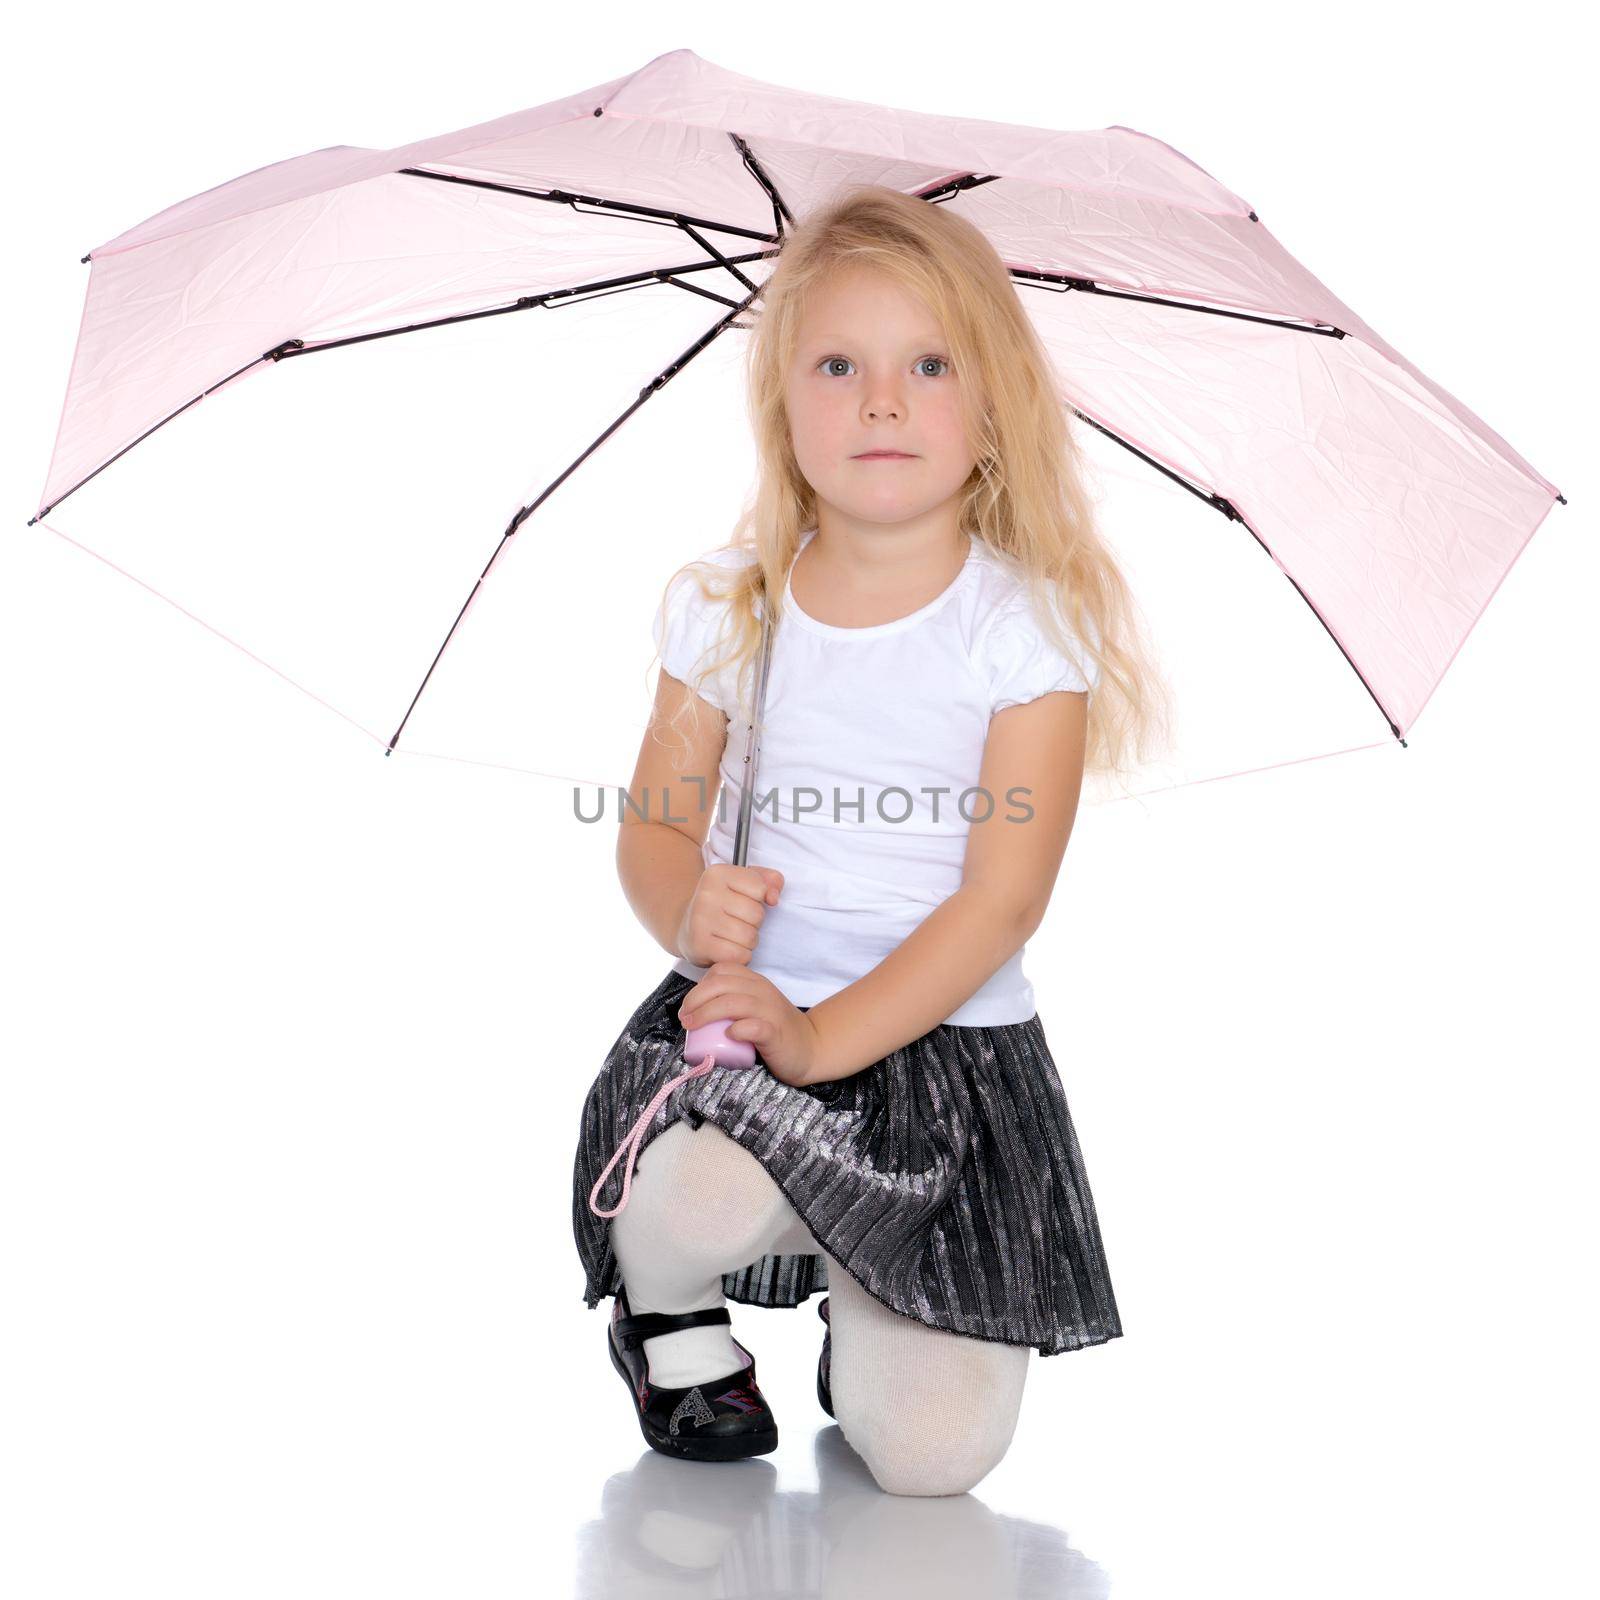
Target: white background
296 1038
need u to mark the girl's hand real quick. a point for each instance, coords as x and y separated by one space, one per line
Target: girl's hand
782 1033
724 914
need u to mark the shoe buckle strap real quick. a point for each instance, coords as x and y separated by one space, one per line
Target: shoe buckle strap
632 1330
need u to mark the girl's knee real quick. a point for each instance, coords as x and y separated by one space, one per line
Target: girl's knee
952 1466
930 1412
703 1197
952 1442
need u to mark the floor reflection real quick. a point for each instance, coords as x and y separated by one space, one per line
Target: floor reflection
678 1528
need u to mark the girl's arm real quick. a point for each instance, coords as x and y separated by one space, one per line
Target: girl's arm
1008 873
673 794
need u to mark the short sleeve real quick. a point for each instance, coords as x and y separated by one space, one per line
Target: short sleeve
687 631
1019 661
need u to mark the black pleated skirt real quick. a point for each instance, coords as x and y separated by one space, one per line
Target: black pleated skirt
946 1177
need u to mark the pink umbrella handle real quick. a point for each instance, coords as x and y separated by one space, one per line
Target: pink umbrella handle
710 1047
711 1038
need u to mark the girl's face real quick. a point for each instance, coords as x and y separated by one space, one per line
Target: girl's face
871 371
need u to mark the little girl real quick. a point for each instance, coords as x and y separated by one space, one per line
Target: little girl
941 613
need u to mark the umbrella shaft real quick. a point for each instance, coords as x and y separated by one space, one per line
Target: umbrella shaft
752 748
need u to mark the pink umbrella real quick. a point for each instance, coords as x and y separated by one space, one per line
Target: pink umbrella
1201 356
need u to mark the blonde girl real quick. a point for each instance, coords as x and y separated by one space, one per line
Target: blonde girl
953 648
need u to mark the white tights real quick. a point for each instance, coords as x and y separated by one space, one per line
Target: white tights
930 1412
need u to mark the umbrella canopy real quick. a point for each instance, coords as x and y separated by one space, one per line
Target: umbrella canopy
1244 424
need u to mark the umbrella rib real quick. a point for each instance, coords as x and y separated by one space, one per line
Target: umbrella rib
782 217
951 187
654 386
1216 501
721 299
566 197
1063 282
269 355
555 299
1221 503
1394 727
722 260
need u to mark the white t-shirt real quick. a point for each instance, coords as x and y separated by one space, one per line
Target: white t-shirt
873 739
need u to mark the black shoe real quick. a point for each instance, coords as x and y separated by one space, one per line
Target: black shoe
824 1362
723 1419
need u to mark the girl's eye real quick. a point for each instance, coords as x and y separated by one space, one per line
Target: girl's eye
829 362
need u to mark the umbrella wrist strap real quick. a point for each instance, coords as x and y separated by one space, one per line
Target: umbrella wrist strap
631 1144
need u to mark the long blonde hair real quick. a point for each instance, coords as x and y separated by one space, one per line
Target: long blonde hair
1024 497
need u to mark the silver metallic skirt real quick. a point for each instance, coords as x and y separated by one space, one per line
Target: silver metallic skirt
946 1177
